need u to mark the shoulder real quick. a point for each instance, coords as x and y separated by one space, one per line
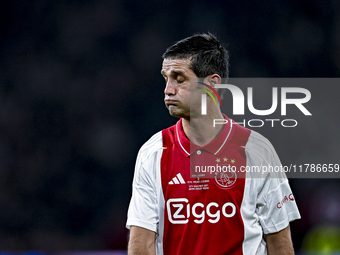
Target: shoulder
152 145
157 142
259 150
147 160
250 139
258 142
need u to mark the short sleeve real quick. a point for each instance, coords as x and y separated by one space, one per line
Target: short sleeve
143 208
277 206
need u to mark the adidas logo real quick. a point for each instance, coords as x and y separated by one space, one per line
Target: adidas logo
178 179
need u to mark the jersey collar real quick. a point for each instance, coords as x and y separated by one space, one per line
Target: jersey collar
214 147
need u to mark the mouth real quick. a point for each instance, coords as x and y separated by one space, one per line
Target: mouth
169 102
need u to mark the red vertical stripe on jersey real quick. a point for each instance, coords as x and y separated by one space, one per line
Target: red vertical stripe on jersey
202 216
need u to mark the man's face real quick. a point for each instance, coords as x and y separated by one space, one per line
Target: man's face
177 75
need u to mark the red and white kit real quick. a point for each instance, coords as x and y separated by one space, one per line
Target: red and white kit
226 214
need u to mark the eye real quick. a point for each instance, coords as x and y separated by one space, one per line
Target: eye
180 79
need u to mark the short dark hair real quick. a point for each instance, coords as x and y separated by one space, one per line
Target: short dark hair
206 53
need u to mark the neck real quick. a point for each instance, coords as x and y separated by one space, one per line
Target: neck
200 130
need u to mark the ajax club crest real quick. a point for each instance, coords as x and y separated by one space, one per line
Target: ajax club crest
225 179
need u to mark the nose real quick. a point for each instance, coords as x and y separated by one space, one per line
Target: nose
169 88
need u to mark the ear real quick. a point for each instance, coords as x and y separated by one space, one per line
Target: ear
214 79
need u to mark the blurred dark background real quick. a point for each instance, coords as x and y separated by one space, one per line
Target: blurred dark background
81 91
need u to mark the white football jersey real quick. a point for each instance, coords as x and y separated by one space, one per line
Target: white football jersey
220 213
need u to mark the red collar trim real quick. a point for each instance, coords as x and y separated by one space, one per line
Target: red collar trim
214 147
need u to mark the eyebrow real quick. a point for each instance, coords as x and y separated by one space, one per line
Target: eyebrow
173 72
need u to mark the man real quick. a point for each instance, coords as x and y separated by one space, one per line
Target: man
174 210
